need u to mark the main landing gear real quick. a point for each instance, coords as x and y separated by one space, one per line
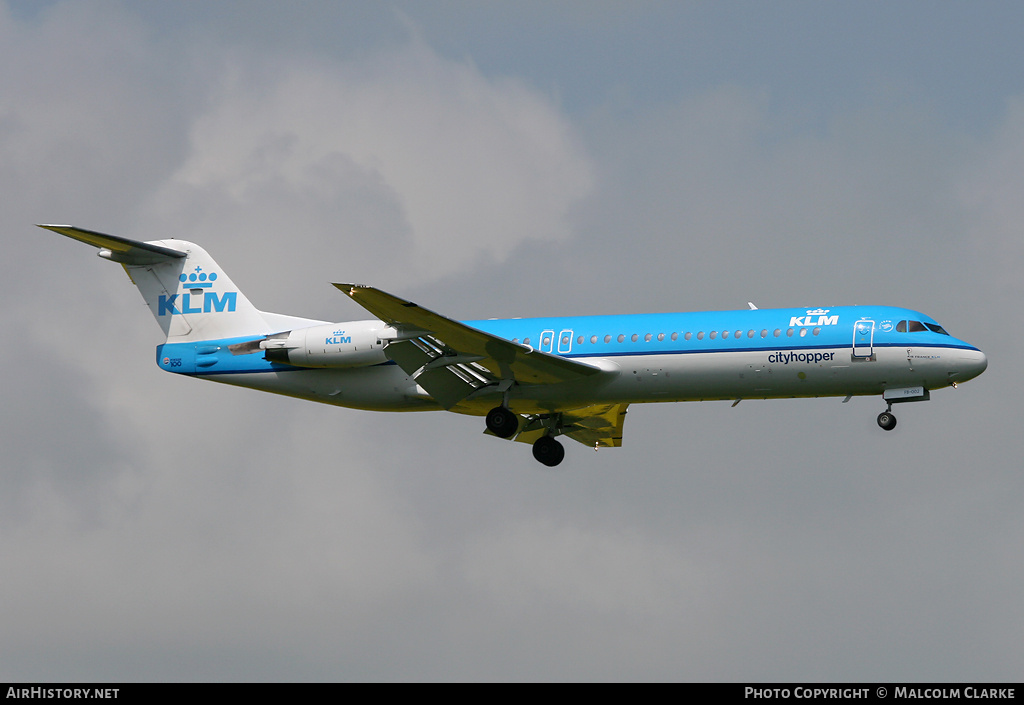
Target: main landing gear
548 451
504 423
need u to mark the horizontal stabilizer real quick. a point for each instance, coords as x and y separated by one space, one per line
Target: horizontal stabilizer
119 249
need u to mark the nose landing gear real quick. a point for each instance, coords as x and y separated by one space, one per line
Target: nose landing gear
887 420
898 395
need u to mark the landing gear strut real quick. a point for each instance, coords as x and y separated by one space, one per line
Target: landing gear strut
502 422
548 451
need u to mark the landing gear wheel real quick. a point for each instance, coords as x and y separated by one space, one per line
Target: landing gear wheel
548 451
887 421
502 422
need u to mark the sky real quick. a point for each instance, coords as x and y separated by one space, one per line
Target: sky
492 160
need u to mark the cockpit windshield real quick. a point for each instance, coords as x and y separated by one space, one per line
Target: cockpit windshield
919 327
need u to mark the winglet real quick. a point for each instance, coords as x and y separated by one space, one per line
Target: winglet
118 249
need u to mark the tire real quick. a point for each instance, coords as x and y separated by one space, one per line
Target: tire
502 422
548 451
887 421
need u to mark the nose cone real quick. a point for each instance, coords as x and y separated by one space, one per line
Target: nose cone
968 364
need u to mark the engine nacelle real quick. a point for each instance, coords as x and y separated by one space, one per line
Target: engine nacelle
349 344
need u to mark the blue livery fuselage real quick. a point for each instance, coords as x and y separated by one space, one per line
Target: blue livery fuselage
740 354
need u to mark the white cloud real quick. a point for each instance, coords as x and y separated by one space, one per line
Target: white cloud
404 153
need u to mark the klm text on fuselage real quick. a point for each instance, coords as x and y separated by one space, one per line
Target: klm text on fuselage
823 319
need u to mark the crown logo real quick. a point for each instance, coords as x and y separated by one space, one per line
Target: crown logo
338 332
198 279
818 312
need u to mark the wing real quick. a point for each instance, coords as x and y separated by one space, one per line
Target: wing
596 426
452 360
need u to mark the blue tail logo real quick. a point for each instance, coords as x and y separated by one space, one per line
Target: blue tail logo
204 301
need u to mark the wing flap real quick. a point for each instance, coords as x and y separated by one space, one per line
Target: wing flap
441 382
598 426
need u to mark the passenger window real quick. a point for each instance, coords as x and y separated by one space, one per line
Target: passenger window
778 332
688 335
700 335
675 336
739 334
579 340
647 338
661 336
803 332
593 339
526 341
725 334
789 333
607 339
547 341
816 331
713 334
634 337
621 337
750 333
764 332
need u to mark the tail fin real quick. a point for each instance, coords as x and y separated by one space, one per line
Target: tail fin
190 296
